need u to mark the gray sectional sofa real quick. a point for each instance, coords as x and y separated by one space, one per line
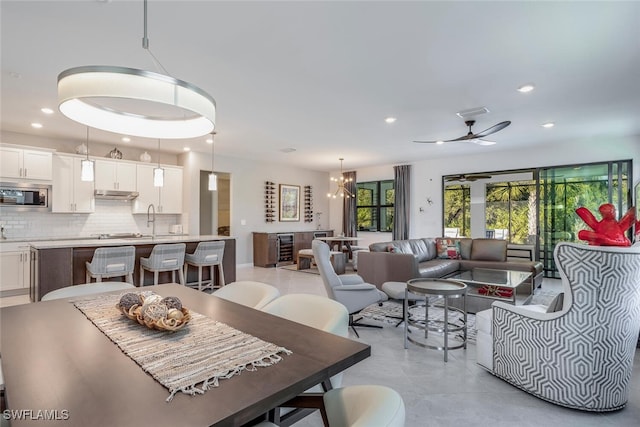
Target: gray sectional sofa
401 260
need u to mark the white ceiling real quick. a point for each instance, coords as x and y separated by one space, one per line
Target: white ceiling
321 77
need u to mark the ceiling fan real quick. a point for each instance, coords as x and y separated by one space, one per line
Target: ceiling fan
466 177
476 138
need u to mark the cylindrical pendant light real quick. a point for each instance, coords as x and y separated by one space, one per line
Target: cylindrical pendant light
158 172
213 179
86 165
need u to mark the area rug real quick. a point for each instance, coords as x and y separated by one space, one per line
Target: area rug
391 312
312 270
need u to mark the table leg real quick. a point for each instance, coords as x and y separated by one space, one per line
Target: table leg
405 310
446 327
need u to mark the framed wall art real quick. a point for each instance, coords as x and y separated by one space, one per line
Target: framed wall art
289 202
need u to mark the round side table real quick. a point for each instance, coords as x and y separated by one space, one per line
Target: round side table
437 289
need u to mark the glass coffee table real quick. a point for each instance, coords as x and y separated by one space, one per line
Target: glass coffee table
487 285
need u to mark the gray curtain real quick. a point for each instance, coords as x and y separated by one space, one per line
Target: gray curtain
402 202
349 207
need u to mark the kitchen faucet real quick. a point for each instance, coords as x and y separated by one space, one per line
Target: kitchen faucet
152 208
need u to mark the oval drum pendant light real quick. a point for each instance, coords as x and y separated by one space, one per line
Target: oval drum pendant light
135 102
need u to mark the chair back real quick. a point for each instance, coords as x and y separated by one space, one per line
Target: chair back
248 293
364 405
167 255
118 260
322 256
208 253
585 351
312 310
86 289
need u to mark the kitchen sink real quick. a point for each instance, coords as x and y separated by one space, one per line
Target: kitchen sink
125 236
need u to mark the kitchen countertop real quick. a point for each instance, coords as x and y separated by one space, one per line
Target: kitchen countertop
90 242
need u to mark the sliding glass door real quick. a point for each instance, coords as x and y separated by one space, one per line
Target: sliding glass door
564 189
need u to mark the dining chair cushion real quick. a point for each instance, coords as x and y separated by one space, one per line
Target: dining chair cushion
86 289
248 293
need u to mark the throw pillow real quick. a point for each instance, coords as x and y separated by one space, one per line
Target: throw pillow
447 248
393 249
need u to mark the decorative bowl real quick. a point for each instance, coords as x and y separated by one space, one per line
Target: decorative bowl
162 324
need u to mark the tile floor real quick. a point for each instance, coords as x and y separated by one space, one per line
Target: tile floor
436 393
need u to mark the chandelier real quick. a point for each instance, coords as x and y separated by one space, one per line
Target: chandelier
342 181
135 102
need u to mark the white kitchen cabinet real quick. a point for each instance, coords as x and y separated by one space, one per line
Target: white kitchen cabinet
25 164
115 175
166 199
69 193
15 267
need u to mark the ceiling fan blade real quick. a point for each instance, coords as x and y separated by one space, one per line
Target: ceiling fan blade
479 141
493 129
427 142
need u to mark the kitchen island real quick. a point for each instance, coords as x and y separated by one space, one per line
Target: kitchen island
59 263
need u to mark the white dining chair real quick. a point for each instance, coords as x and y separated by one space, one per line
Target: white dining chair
86 289
361 406
248 293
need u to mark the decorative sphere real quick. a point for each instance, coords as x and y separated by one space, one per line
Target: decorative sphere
172 302
129 299
154 311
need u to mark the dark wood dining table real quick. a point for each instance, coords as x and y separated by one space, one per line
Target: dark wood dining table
55 359
339 241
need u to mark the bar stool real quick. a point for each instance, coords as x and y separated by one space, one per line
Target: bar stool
207 254
111 262
164 257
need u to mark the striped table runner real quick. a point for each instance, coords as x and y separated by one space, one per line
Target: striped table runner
191 360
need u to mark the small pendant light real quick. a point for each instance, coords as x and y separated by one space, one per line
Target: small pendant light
158 173
213 179
86 165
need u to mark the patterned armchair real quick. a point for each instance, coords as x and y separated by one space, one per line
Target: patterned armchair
580 356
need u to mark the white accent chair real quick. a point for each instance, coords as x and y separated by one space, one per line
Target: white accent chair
111 261
348 289
361 406
248 293
164 257
207 254
86 289
580 356
317 312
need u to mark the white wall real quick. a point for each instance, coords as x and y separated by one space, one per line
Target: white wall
247 196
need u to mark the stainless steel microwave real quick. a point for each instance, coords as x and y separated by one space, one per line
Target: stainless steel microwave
25 196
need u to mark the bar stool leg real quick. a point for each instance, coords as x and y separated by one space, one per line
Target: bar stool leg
87 277
200 277
141 276
405 309
221 270
155 277
181 276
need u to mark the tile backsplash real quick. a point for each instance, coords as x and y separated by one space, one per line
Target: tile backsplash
110 216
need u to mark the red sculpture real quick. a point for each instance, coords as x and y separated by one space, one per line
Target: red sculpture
607 231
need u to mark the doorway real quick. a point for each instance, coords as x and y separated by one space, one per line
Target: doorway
215 206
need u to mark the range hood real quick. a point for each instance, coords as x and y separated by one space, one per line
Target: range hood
115 195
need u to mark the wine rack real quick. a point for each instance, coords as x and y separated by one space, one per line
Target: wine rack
269 201
308 204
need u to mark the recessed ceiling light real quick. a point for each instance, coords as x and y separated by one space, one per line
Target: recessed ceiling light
390 119
548 125
36 125
439 142
288 150
186 149
126 139
526 88
46 110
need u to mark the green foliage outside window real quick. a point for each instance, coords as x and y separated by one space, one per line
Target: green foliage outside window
375 209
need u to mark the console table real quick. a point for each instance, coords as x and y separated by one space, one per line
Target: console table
267 249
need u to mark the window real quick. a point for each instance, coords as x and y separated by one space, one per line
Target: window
457 209
375 205
510 211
